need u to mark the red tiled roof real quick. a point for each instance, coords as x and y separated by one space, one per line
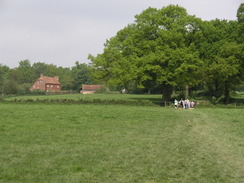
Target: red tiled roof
91 87
50 80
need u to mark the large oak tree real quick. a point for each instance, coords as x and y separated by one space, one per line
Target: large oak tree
159 48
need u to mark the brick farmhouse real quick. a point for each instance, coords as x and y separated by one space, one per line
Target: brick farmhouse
46 83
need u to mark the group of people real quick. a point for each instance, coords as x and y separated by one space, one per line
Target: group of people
184 104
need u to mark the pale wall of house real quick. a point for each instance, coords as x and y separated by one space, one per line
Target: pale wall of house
87 92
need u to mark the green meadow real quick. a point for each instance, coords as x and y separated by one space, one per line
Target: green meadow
130 99
79 143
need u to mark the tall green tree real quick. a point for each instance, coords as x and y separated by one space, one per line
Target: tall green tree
11 87
240 26
225 69
154 50
66 79
40 68
222 56
240 32
81 74
4 74
24 73
216 34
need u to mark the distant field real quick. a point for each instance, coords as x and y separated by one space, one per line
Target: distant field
97 98
117 143
124 99
92 96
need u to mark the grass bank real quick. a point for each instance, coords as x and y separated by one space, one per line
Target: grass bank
128 99
124 99
116 143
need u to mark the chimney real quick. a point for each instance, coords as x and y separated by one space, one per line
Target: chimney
41 75
57 77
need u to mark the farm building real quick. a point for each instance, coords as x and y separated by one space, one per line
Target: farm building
90 89
46 83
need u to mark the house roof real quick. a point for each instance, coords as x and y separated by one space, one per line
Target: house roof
90 87
50 80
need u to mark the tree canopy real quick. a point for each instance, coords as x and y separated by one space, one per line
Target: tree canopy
169 48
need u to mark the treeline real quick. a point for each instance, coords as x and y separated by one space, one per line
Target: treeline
20 79
164 51
169 50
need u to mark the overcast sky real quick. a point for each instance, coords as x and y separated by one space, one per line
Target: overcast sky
61 32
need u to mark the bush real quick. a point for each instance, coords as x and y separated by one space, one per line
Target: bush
213 100
240 88
220 100
38 92
10 87
102 90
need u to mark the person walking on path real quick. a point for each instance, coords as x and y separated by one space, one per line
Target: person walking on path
176 104
182 103
187 103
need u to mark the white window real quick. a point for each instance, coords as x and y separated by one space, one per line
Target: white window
48 86
57 86
51 86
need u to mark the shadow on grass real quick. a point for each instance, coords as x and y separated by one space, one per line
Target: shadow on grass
155 101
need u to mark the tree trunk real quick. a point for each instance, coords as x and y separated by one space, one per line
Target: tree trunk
173 93
149 91
126 88
167 92
217 89
187 91
227 94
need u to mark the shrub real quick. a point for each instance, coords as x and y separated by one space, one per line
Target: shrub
102 90
38 92
220 100
213 100
10 87
23 89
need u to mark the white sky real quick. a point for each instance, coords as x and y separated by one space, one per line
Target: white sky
61 32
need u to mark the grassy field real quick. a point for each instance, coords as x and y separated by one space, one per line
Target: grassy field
128 99
116 143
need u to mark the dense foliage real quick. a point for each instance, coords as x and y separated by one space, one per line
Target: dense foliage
20 79
163 51
172 50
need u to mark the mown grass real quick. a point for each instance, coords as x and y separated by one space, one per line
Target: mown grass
116 143
128 99
131 97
